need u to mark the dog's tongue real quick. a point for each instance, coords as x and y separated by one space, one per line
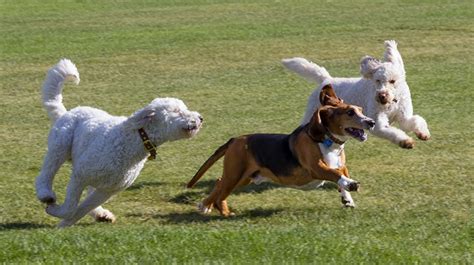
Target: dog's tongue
358 134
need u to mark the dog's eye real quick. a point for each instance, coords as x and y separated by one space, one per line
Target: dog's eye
351 112
392 81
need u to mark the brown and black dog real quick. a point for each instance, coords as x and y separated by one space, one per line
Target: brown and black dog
303 159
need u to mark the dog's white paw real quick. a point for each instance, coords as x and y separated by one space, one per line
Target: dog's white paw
424 136
105 216
407 144
348 184
346 199
348 204
203 209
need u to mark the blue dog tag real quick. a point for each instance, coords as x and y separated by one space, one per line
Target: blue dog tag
327 142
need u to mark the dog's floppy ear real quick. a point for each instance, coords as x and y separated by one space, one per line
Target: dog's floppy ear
368 66
317 129
328 96
142 117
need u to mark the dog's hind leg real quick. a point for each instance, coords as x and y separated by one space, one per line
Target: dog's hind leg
44 181
101 214
235 175
206 205
222 189
93 201
234 168
221 203
69 207
59 150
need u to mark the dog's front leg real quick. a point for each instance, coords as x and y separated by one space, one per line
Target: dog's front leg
346 197
321 171
93 200
417 125
384 130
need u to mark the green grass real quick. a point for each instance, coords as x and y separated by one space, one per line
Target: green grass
223 59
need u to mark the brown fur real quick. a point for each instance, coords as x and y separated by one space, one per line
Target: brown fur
241 167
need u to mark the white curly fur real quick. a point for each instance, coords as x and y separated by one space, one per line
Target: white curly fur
106 151
380 81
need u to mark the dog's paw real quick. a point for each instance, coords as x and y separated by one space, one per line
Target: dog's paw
353 186
105 216
407 144
348 184
423 136
229 214
48 198
54 210
347 204
203 209
346 199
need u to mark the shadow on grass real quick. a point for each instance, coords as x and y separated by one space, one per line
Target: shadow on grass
253 188
141 185
208 185
196 217
328 186
192 197
188 197
23 226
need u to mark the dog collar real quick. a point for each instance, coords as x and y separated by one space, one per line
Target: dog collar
149 146
327 142
330 140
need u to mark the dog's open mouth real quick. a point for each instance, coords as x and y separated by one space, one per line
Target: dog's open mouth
359 134
191 130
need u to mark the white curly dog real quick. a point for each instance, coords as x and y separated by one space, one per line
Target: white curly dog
382 92
107 152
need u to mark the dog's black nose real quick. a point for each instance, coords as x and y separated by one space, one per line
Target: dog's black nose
371 123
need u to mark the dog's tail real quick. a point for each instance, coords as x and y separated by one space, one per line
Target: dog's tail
310 71
220 152
63 71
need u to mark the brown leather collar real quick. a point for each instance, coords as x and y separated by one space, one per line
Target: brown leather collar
334 139
327 141
149 146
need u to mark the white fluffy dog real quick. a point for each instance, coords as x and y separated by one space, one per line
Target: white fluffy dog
382 92
107 152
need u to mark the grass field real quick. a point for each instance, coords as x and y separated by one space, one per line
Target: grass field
223 59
